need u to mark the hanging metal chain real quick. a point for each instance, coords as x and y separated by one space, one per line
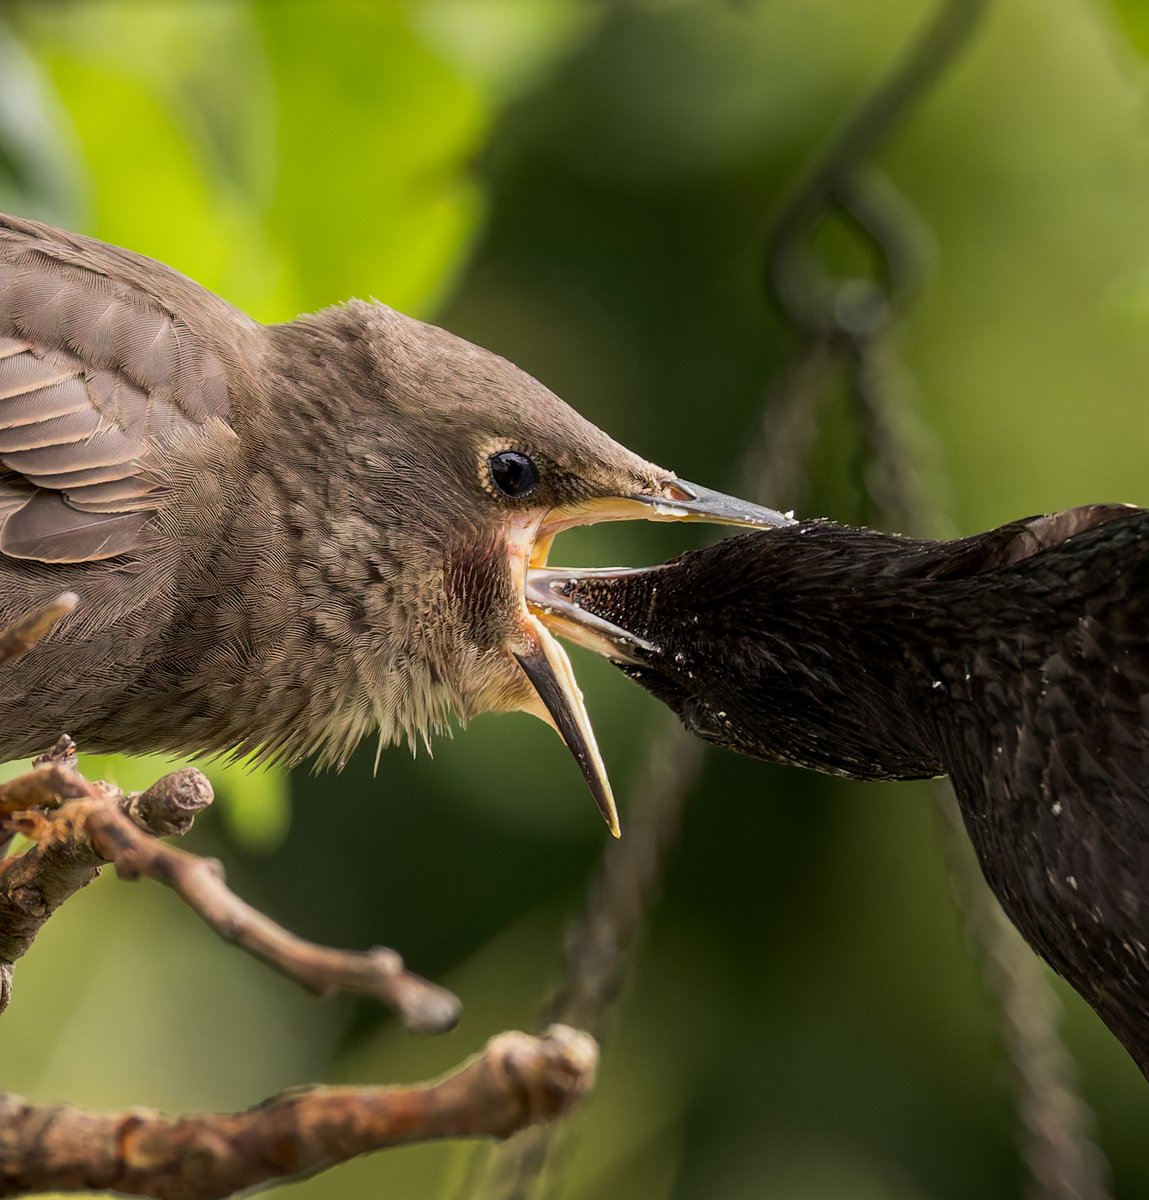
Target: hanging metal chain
600 944
845 326
850 321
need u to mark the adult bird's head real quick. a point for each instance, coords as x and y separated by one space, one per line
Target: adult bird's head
462 469
813 645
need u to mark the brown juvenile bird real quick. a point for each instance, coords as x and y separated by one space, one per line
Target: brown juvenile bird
1016 661
282 537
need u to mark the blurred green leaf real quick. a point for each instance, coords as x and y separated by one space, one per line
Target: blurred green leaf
506 44
1133 17
377 131
38 171
163 180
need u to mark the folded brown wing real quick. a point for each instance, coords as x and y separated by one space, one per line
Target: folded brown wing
97 372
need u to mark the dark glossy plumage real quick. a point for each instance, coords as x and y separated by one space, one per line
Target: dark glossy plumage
1016 661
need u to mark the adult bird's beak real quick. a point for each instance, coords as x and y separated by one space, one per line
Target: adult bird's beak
544 661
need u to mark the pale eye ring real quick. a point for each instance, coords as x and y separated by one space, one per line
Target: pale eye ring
513 473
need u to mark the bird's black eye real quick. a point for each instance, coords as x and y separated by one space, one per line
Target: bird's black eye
513 473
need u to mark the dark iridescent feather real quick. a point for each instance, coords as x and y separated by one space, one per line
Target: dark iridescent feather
1016 661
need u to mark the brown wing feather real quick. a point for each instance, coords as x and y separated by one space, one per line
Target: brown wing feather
102 362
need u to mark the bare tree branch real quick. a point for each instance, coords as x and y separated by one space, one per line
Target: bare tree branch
517 1081
34 884
77 826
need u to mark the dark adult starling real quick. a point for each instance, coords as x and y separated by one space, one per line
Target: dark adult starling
1016 661
282 537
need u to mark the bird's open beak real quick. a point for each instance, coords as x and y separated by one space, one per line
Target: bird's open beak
550 594
674 500
543 660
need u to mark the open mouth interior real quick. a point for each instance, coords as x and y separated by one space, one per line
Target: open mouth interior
547 611
548 602
545 661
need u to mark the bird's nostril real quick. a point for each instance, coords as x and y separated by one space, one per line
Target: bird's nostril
677 490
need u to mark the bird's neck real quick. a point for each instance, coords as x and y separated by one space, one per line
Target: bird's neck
825 653
840 682
857 652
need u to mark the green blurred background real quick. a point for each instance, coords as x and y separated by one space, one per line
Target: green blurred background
585 187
